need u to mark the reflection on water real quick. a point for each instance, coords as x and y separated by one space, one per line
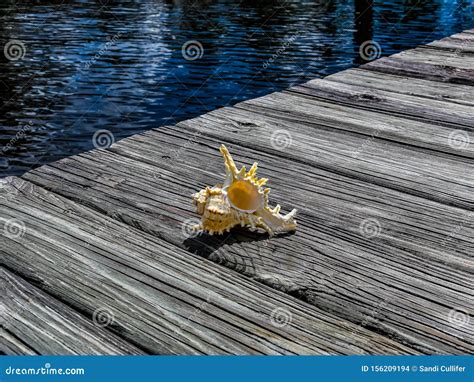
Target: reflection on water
120 65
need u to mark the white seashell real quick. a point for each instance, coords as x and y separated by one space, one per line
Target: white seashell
241 200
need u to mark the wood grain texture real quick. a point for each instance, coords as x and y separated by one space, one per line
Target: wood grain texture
11 345
458 60
466 35
396 104
318 118
155 294
318 263
382 261
327 138
460 94
424 70
455 44
34 323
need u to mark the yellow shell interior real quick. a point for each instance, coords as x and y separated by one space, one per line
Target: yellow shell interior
244 196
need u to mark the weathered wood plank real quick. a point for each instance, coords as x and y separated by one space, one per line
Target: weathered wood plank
433 72
310 116
408 106
466 35
404 264
48 326
319 136
103 171
405 204
10 345
461 94
437 57
385 237
158 296
461 45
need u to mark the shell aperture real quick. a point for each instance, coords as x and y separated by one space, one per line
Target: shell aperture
241 200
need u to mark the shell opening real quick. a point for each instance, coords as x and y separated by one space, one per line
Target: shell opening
244 196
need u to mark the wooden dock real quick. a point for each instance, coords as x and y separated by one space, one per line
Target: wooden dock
96 256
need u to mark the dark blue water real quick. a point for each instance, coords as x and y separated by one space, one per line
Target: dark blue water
71 68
